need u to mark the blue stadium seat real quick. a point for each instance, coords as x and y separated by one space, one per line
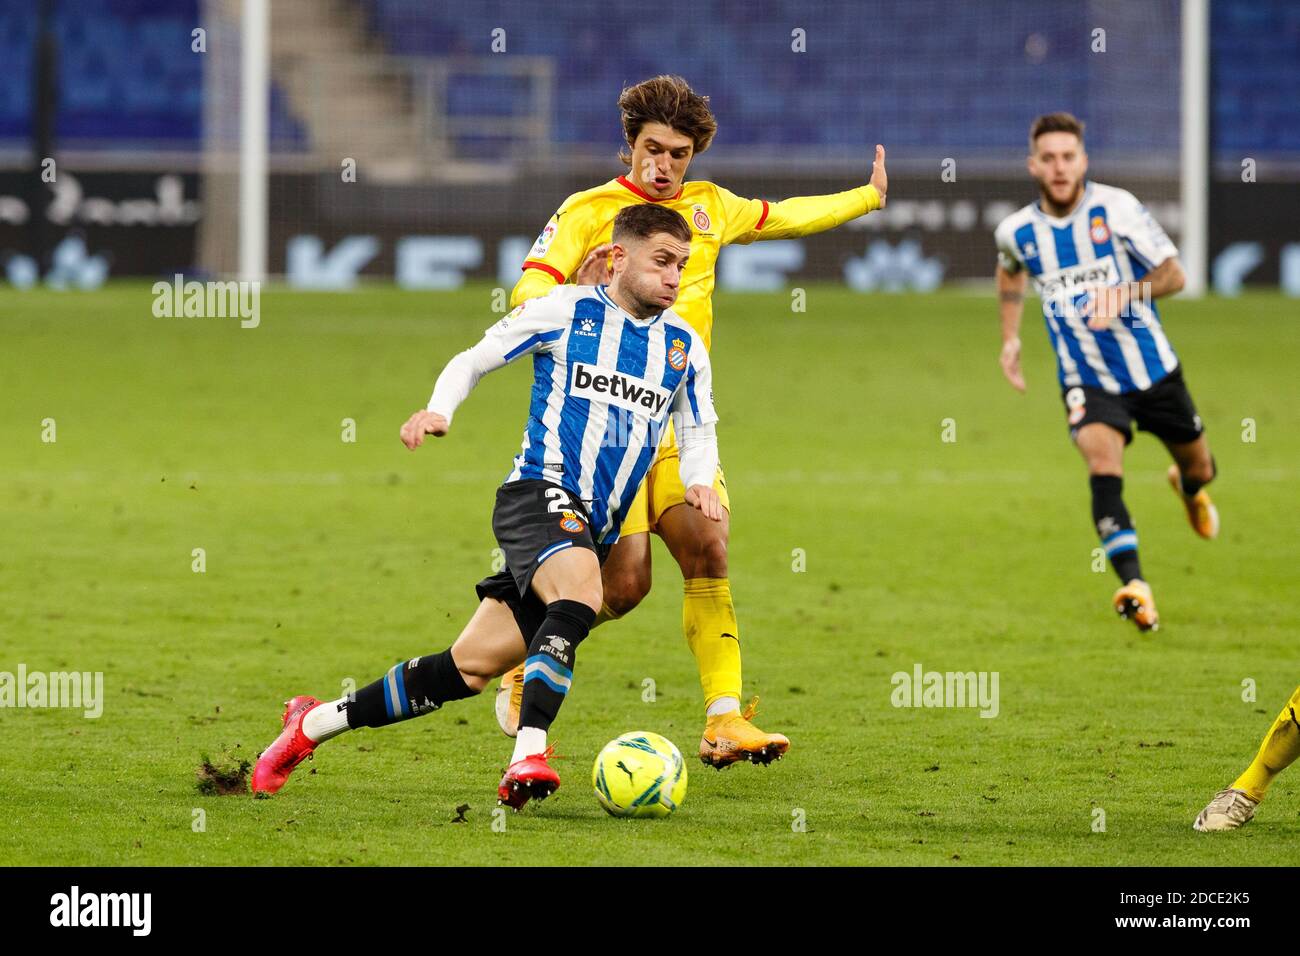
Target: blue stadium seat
911 72
127 75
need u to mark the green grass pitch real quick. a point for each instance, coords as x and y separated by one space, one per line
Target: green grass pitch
328 560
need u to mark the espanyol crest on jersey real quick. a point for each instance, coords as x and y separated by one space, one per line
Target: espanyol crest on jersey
1109 239
604 386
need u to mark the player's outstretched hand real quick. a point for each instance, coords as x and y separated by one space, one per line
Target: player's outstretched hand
1010 362
420 424
878 177
706 500
596 268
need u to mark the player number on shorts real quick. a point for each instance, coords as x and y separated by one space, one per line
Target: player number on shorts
559 501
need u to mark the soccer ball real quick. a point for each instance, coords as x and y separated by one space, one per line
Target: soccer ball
639 775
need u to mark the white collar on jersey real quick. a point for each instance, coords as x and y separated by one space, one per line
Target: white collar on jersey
605 297
1082 203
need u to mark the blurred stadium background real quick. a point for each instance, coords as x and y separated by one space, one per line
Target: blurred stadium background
468 123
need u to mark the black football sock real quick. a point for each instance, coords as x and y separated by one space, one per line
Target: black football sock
1191 486
548 670
1114 527
409 689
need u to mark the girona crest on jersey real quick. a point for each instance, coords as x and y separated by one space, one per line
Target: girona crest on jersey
701 218
1098 230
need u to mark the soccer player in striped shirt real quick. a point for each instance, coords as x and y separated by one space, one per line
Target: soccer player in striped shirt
1099 261
605 359
666 124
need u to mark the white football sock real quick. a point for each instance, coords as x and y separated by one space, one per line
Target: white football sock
723 705
529 741
328 720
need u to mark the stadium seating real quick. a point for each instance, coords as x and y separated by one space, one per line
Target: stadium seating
127 74
743 58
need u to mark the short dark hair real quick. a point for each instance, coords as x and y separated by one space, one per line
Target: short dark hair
646 218
669 100
1054 123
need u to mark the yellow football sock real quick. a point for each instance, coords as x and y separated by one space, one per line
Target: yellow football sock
709 622
606 614
1280 748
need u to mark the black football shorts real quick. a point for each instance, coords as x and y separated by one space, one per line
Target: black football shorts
1165 410
533 520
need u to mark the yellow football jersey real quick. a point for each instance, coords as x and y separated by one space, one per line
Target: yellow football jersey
716 216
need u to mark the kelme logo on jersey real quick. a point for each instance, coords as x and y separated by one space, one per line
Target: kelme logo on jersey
677 355
1065 284
598 384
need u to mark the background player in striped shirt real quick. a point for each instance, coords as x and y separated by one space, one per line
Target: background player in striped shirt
1099 261
603 358
666 124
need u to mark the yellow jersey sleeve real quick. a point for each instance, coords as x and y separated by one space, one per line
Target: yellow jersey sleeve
558 251
752 219
741 218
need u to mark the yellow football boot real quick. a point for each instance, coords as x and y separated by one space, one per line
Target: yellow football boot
1201 512
731 737
1135 602
510 697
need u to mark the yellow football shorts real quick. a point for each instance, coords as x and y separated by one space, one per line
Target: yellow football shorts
661 489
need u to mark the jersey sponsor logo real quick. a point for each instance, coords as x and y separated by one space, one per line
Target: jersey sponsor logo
1098 230
677 355
545 238
1064 284
700 218
571 523
598 384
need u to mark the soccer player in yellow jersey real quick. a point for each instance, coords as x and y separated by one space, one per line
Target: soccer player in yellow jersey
1235 805
666 124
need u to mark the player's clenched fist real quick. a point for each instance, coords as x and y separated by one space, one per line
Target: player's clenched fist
706 500
422 423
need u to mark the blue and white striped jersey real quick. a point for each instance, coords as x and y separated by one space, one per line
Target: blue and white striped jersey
1109 239
604 386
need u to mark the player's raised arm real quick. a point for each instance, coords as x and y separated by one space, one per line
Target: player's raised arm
697 440
531 327
753 219
558 254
